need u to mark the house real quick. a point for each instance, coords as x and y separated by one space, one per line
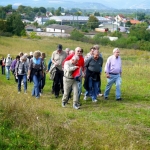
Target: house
41 20
110 26
30 28
55 28
135 22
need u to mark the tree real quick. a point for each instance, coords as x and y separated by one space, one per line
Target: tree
141 16
96 14
93 22
14 24
128 24
42 10
139 31
49 22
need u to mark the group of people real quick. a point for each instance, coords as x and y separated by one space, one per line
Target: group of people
68 68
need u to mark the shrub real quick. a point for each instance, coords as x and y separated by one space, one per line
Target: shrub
76 35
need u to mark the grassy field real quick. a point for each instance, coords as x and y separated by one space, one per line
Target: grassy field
28 124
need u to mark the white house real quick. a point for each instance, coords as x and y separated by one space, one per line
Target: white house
55 28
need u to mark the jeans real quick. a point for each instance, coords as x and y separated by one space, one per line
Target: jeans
79 83
110 81
36 81
7 72
24 78
93 88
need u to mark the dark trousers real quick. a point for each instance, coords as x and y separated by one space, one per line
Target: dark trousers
42 83
58 81
3 69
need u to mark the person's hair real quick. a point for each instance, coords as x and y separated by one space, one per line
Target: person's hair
23 58
115 49
43 54
67 49
71 52
17 57
96 52
96 47
21 54
37 54
77 48
75 57
81 50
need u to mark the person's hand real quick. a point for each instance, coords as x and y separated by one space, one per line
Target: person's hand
28 76
56 64
107 75
76 67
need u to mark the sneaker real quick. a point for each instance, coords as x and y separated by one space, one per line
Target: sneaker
19 92
106 98
63 104
100 95
85 98
75 106
118 99
25 92
95 100
40 94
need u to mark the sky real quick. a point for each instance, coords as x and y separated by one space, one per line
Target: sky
108 3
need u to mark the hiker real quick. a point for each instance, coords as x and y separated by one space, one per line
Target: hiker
43 78
92 77
35 72
8 62
113 70
69 82
21 70
13 65
2 63
58 56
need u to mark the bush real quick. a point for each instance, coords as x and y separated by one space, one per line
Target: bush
76 35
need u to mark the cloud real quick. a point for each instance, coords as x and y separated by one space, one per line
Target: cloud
17 4
55 1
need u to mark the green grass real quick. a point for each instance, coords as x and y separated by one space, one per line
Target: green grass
28 124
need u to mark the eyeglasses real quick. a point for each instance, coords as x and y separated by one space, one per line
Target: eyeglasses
80 51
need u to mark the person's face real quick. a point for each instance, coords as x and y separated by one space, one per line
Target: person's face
96 56
117 53
78 52
58 51
92 51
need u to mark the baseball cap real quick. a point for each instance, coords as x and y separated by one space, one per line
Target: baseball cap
59 47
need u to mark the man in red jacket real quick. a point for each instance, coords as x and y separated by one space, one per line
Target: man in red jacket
80 63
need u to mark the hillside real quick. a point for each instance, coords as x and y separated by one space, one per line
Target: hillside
27 123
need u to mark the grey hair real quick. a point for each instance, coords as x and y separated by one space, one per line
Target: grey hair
77 48
96 51
67 49
75 57
23 57
97 47
115 49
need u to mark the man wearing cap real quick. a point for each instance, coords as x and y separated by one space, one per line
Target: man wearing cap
113 70
57 58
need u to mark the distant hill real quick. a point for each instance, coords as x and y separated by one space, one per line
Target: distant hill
82 4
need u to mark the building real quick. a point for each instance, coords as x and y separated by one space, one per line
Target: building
56 28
